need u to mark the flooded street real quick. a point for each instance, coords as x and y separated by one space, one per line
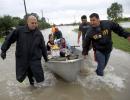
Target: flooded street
115 85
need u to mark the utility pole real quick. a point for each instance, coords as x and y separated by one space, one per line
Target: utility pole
25 8
43 18
42 13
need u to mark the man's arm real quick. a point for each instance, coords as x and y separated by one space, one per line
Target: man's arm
11 38
86 45
87 42
44 49
79 35
119 30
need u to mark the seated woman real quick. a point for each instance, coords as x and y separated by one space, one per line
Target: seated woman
64 48
50 43
57 34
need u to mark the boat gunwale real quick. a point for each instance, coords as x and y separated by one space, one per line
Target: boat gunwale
66 61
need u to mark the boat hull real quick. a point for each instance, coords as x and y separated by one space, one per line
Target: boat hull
68 69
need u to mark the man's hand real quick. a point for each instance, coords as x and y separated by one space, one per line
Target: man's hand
128 38
3 55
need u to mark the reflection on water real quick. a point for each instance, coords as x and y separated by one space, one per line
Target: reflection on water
113 86
125 24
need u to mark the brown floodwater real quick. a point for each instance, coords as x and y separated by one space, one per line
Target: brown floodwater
115 85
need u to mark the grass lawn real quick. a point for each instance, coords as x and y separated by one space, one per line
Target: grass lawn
120 42
1 40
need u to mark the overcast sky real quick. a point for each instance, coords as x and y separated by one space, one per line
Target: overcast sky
61 11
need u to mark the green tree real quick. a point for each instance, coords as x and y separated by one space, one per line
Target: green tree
1 27
22 22
115 11
16 21
6 24
43 25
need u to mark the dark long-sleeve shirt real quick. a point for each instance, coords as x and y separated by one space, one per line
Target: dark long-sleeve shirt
101 36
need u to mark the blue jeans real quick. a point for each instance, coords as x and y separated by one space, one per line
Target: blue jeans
102 60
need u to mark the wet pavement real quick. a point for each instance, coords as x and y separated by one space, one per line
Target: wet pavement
113 86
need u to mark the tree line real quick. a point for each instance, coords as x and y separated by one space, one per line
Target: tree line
114 13
7 23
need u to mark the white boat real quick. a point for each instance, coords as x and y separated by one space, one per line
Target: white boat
66 69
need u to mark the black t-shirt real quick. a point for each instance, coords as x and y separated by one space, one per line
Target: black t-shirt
83 27
101 36
58 35
48 47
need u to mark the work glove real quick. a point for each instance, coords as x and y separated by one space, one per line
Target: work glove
3 55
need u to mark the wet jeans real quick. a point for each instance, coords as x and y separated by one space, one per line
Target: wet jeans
102 60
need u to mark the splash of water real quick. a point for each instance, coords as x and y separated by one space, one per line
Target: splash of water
110 80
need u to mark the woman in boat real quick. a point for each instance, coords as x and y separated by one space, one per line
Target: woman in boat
50 43
53 28
64 48
57 34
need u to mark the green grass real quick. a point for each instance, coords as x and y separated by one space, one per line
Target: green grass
1 40
120 42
